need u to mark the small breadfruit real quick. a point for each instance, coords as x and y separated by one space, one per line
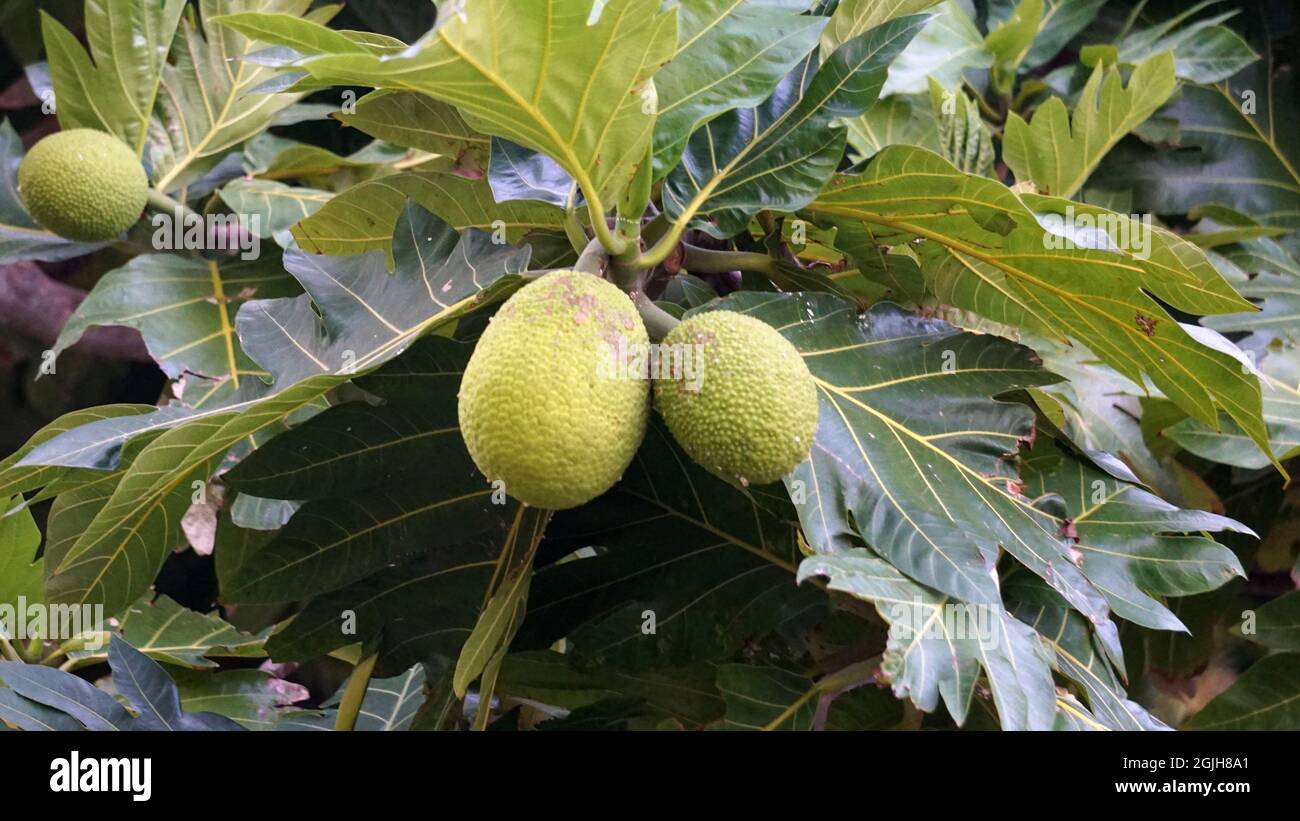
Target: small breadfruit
749 413
83 185
540 408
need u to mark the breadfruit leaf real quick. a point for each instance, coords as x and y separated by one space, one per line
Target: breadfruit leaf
914 456
361 218
729 55
114 87
209 102
779 154
1058 151
591 108
185 309
984 249
1238 145
938 647
1076 654
367 317
1133 545
687 566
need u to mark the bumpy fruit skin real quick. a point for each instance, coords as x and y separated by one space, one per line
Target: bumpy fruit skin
753 414
539 407
83 185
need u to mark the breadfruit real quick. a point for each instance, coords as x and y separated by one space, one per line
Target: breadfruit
539 408
750 413
83 185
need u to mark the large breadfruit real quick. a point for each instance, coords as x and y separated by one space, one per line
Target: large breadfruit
83 185
540 408
749 414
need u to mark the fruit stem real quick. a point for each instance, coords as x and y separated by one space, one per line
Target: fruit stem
658 322
133 248
593 258
350 705
159 201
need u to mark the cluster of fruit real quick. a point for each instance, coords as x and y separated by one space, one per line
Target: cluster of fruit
536 412
538 416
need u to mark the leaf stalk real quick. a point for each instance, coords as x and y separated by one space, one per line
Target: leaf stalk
7 650
710 261
355 693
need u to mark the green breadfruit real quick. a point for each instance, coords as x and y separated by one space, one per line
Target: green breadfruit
83 185
538 408
749 414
